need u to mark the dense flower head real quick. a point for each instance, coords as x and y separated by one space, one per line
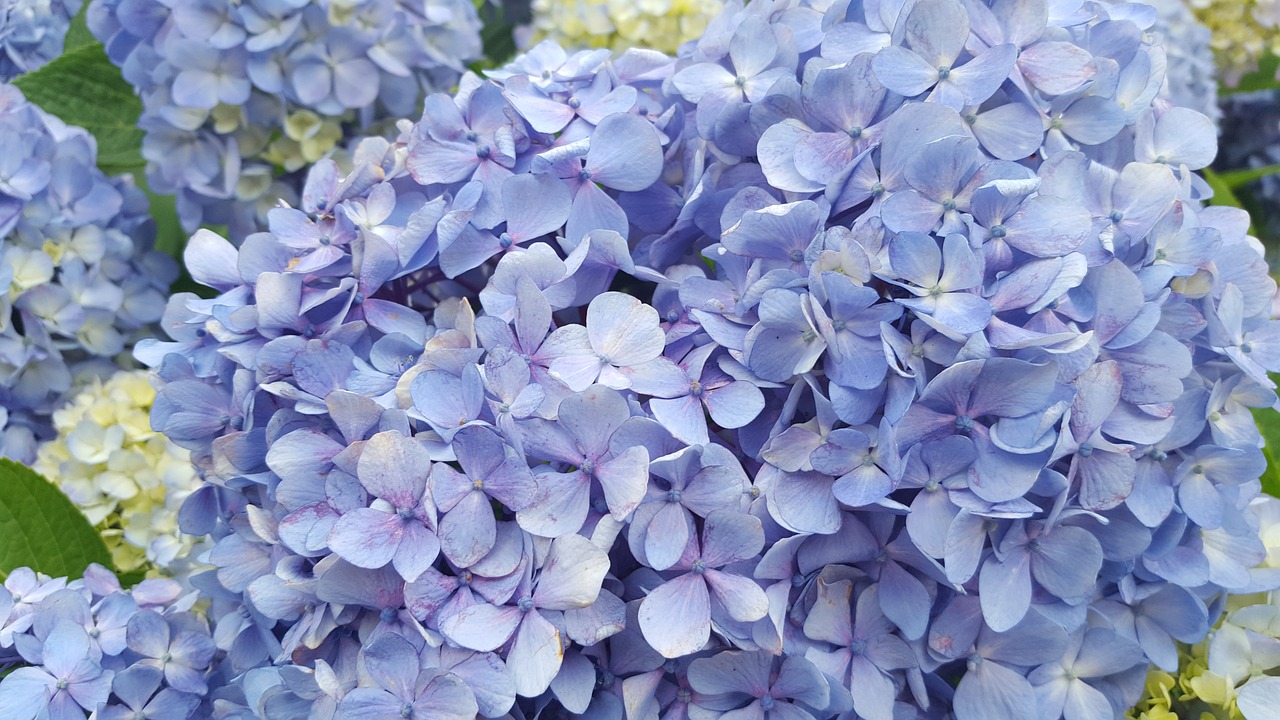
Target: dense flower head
32 33
1229 674
859 361
86 647
1191 71
80 280
128 479
620 24
1242 33
239 96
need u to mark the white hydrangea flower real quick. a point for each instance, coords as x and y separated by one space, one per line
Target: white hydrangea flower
127 479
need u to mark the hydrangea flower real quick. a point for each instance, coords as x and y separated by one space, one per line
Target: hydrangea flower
126 478
871 360
81 281
83 647
1241 32
32 33
238 97
658 24
1192 75
1228 673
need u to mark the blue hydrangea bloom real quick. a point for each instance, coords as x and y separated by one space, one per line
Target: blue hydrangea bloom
859 361
32 33
238 97
67 638
82 283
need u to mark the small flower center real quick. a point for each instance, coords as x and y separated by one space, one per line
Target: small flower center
854 132
766 703
1246 347
998 231
964 424
525 604
1116 216
483 152
505 241
944 73
695 388
699 566
673 495
574 103
1085 450
740 81
387 615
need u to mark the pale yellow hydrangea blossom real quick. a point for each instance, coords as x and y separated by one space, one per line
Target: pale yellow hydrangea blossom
126 478
1243 32
621 24
1244 648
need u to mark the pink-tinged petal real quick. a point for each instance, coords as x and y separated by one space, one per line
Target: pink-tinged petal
676 616
394 467
1056 68
366 537
535 655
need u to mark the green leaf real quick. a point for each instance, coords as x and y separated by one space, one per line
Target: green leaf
1236 179
41 529
78 34
83 88
1264 78
1269 425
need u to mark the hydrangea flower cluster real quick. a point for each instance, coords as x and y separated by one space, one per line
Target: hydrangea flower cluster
238 96
621 24
1242 32
32 33
863 360
1191 72
80 280
87 647
127 479
1230 673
